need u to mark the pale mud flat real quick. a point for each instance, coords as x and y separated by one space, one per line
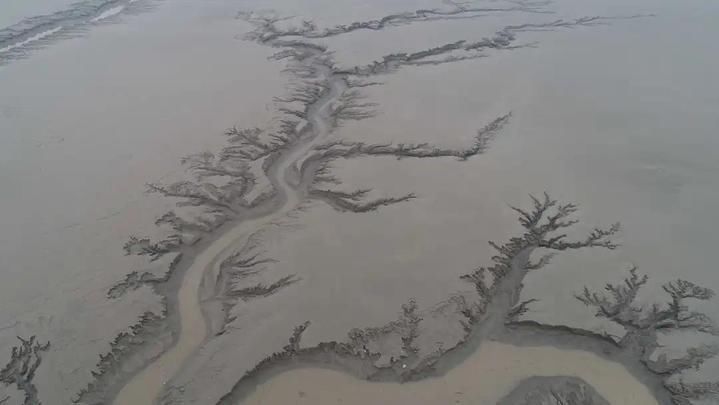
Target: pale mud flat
483 379
84 124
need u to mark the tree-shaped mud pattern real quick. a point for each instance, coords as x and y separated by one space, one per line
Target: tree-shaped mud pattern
403 350
399 350
266 173
643 327
20 370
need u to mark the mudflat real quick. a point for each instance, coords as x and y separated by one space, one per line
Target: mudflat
322 202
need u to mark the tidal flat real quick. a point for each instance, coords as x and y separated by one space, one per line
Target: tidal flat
245 203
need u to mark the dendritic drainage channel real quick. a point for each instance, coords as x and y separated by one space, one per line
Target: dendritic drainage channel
212 247
553 390
19 372
407 349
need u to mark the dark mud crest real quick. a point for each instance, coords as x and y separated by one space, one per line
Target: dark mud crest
553 391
